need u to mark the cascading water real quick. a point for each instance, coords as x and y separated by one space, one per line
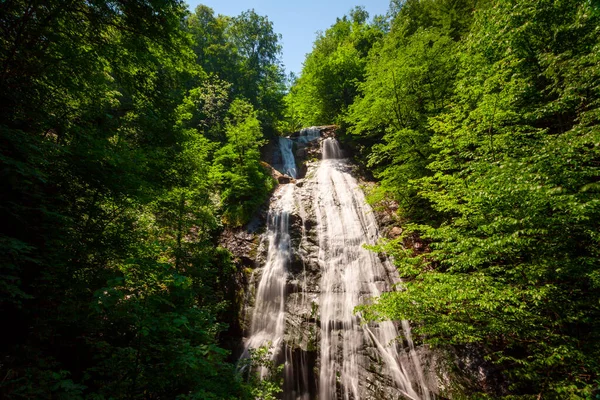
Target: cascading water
309 134
351 275
289 163
268 321
307 312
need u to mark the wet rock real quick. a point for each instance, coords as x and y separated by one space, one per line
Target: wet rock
270 153
284 179
301 153
296 264
329 131
278 176
301 373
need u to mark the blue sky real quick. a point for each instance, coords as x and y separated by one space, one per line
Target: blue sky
297 21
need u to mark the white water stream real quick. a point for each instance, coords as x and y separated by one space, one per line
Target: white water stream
289 163
350 276
268 319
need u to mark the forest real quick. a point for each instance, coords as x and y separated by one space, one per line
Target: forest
131 137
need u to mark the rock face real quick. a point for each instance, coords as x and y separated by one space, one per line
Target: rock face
314 271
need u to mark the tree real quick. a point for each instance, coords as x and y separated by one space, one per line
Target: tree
243 181
215 52
410 78
108 264
332 71
514 260
261 78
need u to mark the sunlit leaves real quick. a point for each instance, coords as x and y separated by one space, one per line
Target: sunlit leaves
109 131
333 70
244 184
513 158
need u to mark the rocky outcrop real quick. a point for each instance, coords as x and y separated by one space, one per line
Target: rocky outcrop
242 244
281 178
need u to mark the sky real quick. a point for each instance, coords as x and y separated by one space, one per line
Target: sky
296 20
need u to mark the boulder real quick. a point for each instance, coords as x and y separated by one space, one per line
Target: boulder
395 232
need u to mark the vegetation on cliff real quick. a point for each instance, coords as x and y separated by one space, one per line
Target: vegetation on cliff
481 119
129 135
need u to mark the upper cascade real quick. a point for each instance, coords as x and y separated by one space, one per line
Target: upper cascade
309 134
331 149
289 163
288 146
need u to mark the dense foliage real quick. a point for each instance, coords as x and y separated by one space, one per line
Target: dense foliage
129 136
481 119
332 71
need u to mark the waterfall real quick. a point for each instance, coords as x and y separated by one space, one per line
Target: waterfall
289 164
348 359
268 320
286 145
309 134
351 275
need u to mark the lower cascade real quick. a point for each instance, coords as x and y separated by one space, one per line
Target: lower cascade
314 271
